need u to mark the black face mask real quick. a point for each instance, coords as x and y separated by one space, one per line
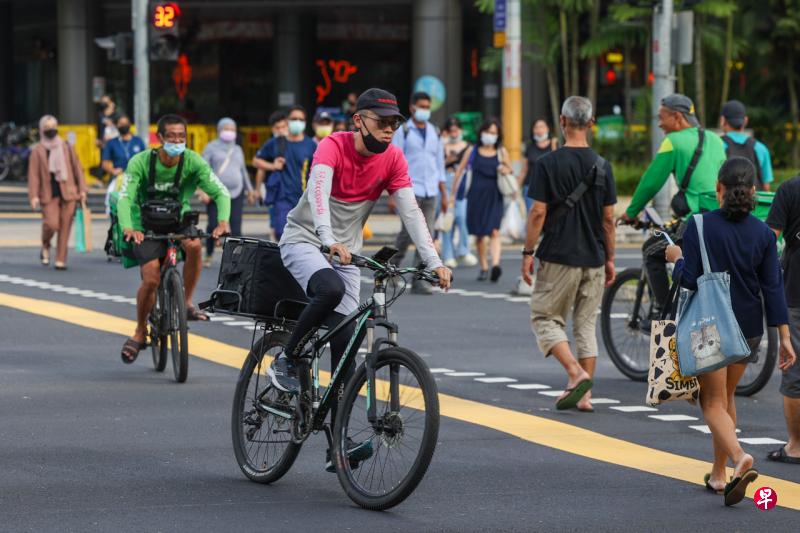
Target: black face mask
373 145
123 130
102 106
50 134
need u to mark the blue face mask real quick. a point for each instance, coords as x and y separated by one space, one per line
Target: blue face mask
174 149
422 115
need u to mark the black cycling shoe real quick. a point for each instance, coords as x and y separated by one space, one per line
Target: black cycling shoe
283 374
356 452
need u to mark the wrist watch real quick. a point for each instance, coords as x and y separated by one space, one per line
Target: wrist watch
530 252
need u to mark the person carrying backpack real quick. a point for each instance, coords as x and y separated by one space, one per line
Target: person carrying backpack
732 121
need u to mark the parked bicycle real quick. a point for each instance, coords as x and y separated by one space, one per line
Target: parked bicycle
15 150
625 318
168 329
389 406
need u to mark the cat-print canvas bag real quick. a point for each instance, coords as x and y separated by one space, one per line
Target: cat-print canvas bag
709 336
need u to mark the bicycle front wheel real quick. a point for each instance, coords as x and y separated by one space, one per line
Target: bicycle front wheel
396 450
758 373
158 341
178 332
625 324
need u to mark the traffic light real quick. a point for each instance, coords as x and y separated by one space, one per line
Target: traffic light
164 38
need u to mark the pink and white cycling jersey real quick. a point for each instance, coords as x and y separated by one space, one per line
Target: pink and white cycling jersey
340 202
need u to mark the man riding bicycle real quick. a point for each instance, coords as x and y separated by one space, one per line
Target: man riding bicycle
349 173
164 180
680 154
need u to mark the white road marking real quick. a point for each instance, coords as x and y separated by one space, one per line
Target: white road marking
464 374
672 418
552 393
528 386
618 315
221 318
761 440
633 408
519 299
493 296
600 401
440 370
238 323
707 430
496 380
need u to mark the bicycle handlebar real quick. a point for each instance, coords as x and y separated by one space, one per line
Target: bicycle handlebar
150 236
388 269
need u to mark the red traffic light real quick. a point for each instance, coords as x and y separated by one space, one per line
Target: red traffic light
165 15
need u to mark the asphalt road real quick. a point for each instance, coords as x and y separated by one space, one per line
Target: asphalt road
90 444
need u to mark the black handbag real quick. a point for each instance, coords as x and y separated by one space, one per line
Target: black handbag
679 203
162 215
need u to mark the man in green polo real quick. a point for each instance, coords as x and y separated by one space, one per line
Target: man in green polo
194 173
679 123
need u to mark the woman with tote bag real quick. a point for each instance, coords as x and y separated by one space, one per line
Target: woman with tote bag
745 248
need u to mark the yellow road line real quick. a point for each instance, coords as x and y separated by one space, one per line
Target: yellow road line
543 431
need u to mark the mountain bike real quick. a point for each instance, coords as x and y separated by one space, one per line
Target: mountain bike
389 405
168 330
626 313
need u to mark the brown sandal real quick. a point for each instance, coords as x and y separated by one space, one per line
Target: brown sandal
130 350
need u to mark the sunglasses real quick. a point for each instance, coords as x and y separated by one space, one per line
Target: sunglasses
385 122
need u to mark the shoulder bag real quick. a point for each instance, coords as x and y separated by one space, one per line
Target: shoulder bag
679 204
597 171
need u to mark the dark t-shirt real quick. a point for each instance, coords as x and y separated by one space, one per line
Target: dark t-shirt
532 154
576 238
785 216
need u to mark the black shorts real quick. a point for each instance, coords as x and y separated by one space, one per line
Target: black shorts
790 380
150 250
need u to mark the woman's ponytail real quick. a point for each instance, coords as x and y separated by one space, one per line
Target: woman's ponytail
738 175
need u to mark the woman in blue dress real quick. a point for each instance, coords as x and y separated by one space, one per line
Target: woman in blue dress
484 201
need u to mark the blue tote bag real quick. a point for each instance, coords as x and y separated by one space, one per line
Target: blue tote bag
709 336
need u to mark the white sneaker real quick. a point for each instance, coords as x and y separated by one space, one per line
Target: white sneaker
469 260
451 263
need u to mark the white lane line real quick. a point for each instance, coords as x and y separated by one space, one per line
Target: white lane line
528 386
220 318
633 408
362 350
552 393
493 296
600 401
519 299
618 315
496 380
464 374
440 370
707 430
761 440
238 323
456 291
672 418
470 293
249 327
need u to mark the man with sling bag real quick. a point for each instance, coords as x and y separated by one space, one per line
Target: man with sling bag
155 196
574 197
694 156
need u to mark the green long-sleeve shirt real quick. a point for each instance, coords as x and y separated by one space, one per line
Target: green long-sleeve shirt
196 174
673 156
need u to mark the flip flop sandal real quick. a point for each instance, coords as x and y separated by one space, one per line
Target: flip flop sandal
709 488
130 350
574 395
734 491
780 456
194 314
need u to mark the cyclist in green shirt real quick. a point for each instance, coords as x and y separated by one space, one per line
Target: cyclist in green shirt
195 173
679 123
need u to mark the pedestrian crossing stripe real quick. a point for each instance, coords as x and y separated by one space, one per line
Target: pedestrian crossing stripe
531 428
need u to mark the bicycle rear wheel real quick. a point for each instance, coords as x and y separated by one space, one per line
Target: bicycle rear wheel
403 439
758 373
158 341
178 333
625 324
262 441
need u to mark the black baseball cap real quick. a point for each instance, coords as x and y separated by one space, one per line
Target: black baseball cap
682 104
734 113
323 115
382 103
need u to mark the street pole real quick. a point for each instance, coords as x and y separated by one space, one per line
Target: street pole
141 70
663 86
512 82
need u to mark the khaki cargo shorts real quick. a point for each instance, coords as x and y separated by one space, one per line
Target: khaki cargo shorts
560 290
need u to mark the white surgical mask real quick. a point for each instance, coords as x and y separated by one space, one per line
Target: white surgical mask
541 138
455 138
296 127
422 115
227 135
488 139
